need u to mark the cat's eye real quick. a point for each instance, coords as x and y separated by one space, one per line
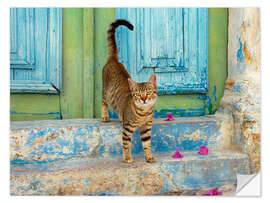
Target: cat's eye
149 92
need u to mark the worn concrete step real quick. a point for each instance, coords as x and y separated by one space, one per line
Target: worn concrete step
53 140
113 177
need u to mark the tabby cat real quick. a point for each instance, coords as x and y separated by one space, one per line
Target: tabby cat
133 102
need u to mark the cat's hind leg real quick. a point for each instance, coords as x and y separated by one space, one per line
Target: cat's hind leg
104 111
145 132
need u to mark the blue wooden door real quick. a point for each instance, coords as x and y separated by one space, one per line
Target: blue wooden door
35 50
170 42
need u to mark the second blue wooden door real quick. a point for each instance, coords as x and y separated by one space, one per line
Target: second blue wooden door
170 42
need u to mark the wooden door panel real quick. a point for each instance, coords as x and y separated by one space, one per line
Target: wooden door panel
170 42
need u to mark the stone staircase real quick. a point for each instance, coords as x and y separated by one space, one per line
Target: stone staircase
84 157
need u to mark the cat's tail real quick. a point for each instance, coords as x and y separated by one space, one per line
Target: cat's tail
112 47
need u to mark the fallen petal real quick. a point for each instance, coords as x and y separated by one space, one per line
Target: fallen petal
169 117
203 150
177 155
212 192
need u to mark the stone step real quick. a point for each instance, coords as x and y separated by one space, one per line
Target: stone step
192 175
41 141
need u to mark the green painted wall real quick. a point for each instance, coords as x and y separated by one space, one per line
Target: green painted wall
218 40
71 95
85 53
34 107
78 63
103 18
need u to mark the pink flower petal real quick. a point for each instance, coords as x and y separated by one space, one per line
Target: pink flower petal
177 155
212 192
203 150
169 117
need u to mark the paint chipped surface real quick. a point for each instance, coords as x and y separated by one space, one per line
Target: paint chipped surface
229 84
113 177
40 141
242 96
83 157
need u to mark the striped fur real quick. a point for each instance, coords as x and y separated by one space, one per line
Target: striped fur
112 47
133 102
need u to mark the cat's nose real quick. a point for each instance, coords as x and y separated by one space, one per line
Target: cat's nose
143 97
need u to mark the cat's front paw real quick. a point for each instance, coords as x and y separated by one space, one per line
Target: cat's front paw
128 160
105 119
151 159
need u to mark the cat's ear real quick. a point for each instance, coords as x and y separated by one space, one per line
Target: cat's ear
132 84
152 80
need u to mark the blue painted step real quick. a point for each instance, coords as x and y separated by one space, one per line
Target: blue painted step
192 175
83 157
41 141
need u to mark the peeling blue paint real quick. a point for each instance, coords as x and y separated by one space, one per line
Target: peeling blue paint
208 105
87 181
34 185
240 56
41 114
33 135
81 148
214 92
99 140
112 114
177 88
12 112
51 115
249 119
162 52
176 112
143 173
190 173
237 88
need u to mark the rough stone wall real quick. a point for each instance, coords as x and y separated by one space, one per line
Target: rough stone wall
242 94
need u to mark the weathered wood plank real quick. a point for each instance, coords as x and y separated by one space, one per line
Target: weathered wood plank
158 40
72 92
25 107
88 63
103 18
36 54
22 38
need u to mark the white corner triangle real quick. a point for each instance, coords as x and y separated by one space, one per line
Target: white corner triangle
248 185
